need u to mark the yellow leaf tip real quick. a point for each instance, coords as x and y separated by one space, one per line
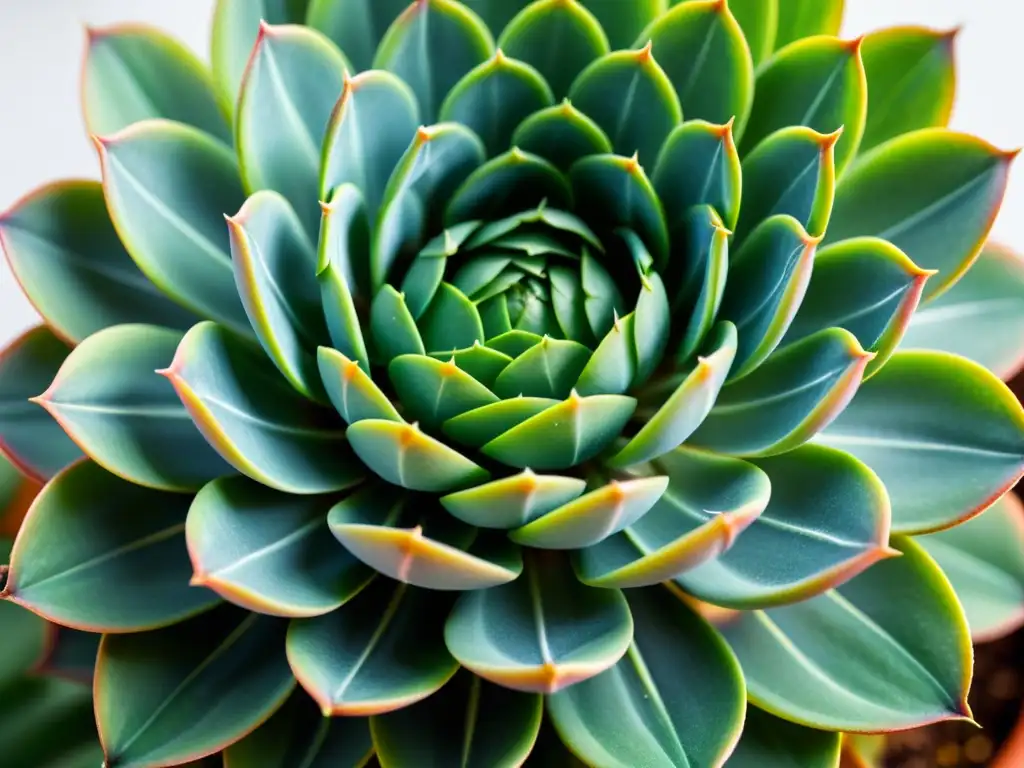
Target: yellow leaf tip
646 54
198 580
854 45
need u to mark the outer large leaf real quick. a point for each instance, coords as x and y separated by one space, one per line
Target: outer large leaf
431 46
29 438
66 256
825 505
255 420
675 700
770 742
134 72
805 18
889 649
911 81
88 530
380 652
944 434
981 317
189 690
984 560
268 551
457 726
168 187
107 397
932 193
356 26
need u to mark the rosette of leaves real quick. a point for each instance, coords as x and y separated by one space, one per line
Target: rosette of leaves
421 376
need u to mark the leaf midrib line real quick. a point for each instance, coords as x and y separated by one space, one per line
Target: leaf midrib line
777 397
386 619
285 541
309 148
285 429
934 208
993 307
840 439
657 702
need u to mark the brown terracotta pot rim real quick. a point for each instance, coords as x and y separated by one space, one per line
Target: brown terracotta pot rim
1011 752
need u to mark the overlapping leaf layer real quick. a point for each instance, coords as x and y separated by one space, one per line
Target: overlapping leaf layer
417 387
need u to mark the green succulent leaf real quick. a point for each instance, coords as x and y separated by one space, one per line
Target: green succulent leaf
703 276
508 183
456 726
981 317
255 420
710 501
612 367
759 20
381 651
819 83
431 46
548 369
69 262
525 635
867 286
70 655
824 504
806 18
299 734
167 187
451 321
513 501
84 533
678 678
887 649
932 193
181 693
351 390
356 26
108 399
771 742
482 363
268 551
29 438
393 326
481 425
624 22
433 391
561 135
135 72
911 81
984 561
944 435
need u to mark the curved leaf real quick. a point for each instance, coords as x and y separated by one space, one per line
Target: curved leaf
451 321
771 742
806 18
561 135
481 425
759 20
84 533
524 635
944 435
482 363
255 420
611 369
269 552
379 652
512 501
393 327
548 369
703 275
496 13
70 655
625 21
352 391
434 392
355 26
507 184
220 674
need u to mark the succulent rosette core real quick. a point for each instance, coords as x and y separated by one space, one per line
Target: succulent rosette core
499 382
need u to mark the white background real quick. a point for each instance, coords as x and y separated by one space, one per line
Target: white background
42 137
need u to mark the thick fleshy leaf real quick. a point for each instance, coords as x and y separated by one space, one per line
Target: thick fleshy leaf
506 184
768 279
944 434
451 321
911 81
795 394
134 72
274 265
456 726
563 435
381 651
435 164
631 98
355 26
771 742
70 654
525 635
83 533
559 39
299 734
686 406
29 438
818 83
613 365
548 369
652 320
435 391
806 18
294 71
699 165
561 135
353 393
481 425
593 517
867 286
255 420
512 501
702 276
759 20
676 699
496 13
710 501
791 172
494 97
269 552
824 504
431 46
981 317
69 262
371 127
236 24
168 187
129 420
393 326
403 455
932 193
888 649
701 48
187 691
482 363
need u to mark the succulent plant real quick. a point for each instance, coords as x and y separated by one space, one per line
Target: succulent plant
541 399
